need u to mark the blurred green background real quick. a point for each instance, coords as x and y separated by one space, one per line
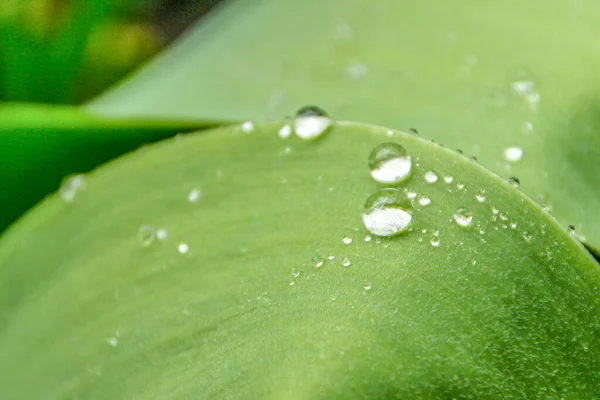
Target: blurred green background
67 51
56 54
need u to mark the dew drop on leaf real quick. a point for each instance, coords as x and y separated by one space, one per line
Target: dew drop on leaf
347 240
285 131
248 127
387 213
390 163
424 201
311 123
514 182
70 187
435 241
431 177
183 248
346 262
194 195
480 197
448 179
367 286
462 217
161 234
145 235
295 273
513 154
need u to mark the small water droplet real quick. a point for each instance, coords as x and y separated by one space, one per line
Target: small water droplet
387 213
161 234
311 123
357 70
513 154
411 195
513 224
514 182
317 261
247 126
70 187
183 248
527 127
571 230
523 87
347 240
390 163
285 131
424 201
295 273
331 258
367 286
145 235
435 241
194 195
346 262
480 197
292 283
112 341
462 217
367 238
448 179
460 186
431 177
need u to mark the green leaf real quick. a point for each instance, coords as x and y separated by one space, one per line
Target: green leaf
504 307
40 144
444 68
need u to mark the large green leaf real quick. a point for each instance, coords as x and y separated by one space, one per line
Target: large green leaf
449 69
40 144
505 306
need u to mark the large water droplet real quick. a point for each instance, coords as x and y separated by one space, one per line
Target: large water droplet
311 122
70 187
145 235
513 154
387 213
431 177
390 163
462 217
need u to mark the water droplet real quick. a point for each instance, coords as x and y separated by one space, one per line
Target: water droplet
571 230
514 182
367 238
390 163
431 177
318 261
411 195
448 179
435 241
527 127
460 186
357 70
347 240
285 131
462 217
161 234
346 262
424 201
194 195
295 273
367 286
331 258
523 87
513 224
247 126
70 187
480 197
311 122
387 213
183 248
513 154
145 235
112 341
